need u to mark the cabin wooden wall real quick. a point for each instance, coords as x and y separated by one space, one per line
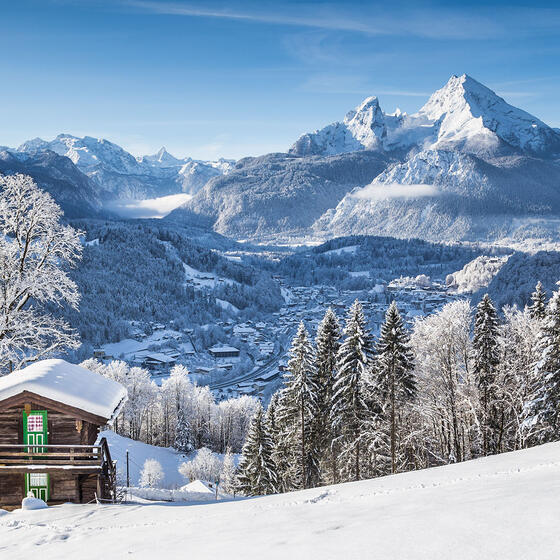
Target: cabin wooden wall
61 427
11 427
12 488
64 487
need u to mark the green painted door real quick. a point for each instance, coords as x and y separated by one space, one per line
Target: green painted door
35 435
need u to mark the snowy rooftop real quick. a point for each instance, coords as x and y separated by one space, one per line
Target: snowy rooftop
224 348
69 384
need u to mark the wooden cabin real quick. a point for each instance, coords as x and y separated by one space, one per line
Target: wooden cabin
51 414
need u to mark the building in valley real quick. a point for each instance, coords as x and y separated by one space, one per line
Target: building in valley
51 413
224 351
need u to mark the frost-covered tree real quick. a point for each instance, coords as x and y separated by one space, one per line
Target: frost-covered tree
519 351
151 474
206 466
538 302
441 345
36 251
256 473
486 360
543 409
228 474
395 383
349 410
299 408
327 345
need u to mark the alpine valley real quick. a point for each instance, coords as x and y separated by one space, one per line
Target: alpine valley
453 190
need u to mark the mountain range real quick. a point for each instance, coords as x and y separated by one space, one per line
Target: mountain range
115 174
466 166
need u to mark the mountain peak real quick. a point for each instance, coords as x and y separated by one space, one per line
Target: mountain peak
471 115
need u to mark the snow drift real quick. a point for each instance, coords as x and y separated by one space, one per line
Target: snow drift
500 507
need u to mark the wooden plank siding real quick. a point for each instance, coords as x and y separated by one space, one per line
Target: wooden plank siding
61 427
65 427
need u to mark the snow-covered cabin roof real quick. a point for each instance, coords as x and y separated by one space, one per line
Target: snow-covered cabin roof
68 384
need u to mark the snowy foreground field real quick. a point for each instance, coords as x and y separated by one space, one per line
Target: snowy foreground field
504 506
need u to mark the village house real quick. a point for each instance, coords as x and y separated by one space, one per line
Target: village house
223 351
51 413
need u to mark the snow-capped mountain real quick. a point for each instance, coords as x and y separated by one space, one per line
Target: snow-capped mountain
467 165
463 115
120 175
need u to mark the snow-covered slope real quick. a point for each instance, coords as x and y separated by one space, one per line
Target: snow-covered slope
278 192
463 115
501 507
451 195
138 453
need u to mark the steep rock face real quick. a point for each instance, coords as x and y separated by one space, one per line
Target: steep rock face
73 190
463 115
278 192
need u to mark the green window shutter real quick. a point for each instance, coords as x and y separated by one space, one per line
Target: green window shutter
35 434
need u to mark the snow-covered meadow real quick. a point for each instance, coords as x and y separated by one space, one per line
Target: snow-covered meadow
499 507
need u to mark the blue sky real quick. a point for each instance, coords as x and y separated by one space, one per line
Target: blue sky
210 79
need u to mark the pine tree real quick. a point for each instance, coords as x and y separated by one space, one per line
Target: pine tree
395 384
538 302
543 421
327 345
299 406
285 453
349 409
256 474
486 360
184 440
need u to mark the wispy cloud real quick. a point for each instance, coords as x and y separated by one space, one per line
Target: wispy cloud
372 20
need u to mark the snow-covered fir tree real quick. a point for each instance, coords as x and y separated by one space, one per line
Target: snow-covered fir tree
256 473
349 411
538 302
543 410
284 454
486 359
327 345
394 380
298 408
183 433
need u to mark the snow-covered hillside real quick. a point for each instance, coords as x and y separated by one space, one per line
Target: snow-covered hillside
500 507
138 453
